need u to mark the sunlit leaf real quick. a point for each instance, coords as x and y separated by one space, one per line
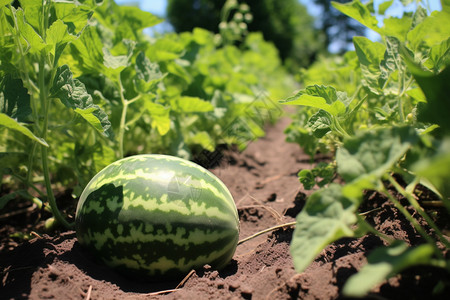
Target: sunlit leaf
73 94
359 12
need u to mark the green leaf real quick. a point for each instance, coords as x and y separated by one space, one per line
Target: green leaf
57 38
322 97
384 263
440 56
87 52
384 6
148 74
435 169
10 123
437 91
320 123
431 31
32 38
73 94
392 61
359 12
14 98
373 152
326 217
203 139
307 178
397 27
370 55
186 104
33 12
75 16
160 115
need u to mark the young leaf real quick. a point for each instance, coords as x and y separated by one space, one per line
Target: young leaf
10 123
373 152
73 94
385 262
326 217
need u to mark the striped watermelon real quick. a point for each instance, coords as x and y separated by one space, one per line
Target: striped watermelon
157 216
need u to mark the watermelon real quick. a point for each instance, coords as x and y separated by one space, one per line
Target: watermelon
157 217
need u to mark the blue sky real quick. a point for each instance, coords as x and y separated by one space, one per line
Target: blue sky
158 7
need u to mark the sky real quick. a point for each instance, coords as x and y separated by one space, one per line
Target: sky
158 7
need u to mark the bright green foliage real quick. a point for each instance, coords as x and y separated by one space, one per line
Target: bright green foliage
157 216
381 110
81 85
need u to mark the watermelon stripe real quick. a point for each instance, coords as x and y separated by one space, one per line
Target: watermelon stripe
157 215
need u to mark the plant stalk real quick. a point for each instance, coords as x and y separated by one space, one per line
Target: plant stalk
419 209
123 118
45 105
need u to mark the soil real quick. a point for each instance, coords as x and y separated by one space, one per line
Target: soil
263 182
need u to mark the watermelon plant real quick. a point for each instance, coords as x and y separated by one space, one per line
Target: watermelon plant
81 86
381 112
157 216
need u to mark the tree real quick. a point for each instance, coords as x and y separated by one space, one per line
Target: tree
285 23
338 28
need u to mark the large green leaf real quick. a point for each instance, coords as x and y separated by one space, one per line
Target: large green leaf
75 16
384 263
360 13
326 217
322 97
10 123
373 152
73 94
431 31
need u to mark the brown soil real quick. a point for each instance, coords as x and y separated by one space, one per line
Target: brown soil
265 187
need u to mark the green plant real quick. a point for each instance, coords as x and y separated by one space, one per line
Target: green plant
383 117
81 86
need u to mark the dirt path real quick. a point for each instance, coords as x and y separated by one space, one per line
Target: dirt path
265 187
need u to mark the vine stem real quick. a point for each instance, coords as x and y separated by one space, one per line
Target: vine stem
419 209
413 221
45 104
265 231
123 117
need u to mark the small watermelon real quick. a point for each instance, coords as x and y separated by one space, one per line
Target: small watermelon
157 216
